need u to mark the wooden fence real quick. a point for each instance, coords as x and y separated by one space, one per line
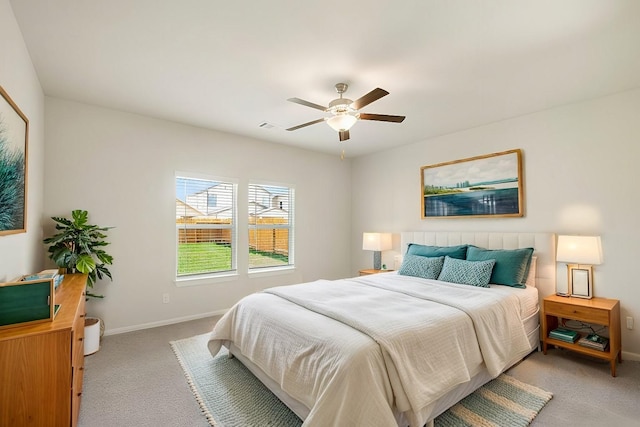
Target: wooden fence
271 240
203 235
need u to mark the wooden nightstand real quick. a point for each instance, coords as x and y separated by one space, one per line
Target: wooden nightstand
599 311
366 272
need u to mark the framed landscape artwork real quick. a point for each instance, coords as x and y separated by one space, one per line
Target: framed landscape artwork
14 134
482 186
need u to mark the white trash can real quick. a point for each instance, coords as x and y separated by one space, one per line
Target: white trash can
91 335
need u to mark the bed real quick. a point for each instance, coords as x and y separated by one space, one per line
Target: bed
413 346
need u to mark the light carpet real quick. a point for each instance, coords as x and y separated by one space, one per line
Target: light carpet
229 395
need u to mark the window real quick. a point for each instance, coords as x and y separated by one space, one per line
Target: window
205 226
270 226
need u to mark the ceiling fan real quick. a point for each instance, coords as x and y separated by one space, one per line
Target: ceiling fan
345 112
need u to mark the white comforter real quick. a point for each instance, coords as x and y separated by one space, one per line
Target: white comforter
351 350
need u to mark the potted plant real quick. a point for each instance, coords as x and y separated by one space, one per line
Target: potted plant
77 247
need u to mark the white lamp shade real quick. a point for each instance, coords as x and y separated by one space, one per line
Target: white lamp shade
376 241
342 122
579 250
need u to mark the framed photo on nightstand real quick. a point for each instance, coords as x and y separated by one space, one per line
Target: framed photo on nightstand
581 278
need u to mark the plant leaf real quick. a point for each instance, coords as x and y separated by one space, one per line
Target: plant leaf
80 217
85 263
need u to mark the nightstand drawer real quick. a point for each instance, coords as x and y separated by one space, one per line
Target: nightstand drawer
584 314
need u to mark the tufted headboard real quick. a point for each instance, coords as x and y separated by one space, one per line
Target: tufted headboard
544 245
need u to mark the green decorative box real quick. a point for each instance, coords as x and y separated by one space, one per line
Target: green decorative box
26 301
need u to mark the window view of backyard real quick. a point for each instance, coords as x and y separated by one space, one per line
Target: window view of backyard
270 218
206 226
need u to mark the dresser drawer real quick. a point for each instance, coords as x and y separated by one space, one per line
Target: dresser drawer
585 314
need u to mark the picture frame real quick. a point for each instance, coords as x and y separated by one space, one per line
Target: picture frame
14 138
580 280
486 186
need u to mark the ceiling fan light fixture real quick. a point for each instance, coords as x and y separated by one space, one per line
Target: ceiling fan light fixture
342 122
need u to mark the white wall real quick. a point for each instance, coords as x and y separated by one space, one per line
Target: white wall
581 176
22 253
121 168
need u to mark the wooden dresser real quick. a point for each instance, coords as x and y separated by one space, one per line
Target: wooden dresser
41 365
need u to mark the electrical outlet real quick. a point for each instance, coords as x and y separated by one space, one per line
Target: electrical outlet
165 298
629 322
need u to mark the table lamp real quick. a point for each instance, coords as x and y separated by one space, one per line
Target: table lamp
580 253
376 242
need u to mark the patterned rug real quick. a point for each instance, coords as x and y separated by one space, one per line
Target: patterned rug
230 396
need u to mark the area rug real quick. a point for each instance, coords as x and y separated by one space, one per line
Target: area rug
230 396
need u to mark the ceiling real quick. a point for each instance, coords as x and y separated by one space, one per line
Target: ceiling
231 65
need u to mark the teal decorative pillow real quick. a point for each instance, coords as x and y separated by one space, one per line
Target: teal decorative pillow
420 266
475 273
512 265
459 251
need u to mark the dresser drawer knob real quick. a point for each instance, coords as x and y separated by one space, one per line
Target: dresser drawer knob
80 339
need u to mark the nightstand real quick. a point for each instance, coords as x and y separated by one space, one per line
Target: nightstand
599 311
366 272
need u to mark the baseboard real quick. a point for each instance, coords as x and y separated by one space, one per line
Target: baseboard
635 357
163 322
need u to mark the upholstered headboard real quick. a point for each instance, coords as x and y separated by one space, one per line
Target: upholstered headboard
544 245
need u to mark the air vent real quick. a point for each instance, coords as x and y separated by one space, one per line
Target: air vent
266 125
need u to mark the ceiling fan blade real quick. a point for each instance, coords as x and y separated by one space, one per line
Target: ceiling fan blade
382 117
344 135
367 99
307 124
307 104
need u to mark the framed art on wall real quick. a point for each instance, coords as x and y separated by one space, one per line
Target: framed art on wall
14 135
482 186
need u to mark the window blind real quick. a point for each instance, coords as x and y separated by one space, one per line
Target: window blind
205 226
271 213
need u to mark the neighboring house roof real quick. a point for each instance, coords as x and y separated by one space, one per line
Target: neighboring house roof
257 207
272 213
184 210
219 213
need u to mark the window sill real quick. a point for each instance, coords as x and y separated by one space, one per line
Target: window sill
206 280
274 271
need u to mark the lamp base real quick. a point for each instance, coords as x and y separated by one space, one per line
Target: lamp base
377 260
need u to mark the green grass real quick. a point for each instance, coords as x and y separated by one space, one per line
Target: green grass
199 258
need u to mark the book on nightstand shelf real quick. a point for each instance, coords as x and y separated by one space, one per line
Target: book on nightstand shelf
563 334
594 341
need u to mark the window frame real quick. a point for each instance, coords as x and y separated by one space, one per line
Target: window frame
290 226
212 276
